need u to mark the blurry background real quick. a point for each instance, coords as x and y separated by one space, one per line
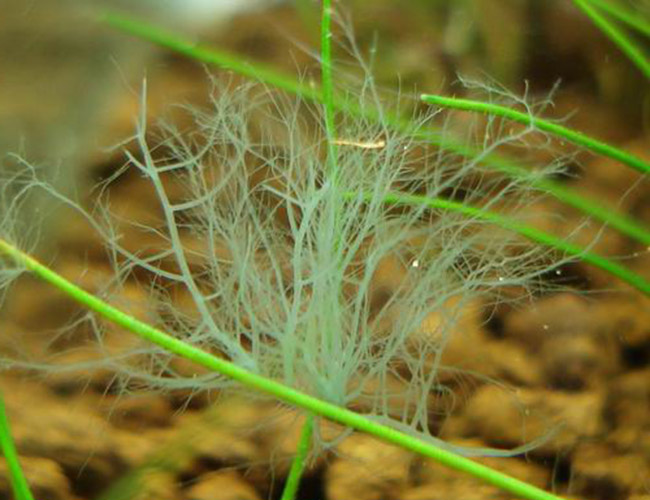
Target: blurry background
69 90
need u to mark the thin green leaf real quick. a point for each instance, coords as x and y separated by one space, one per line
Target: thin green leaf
624 42
630 18
529 232
220 58
328 85
299 461
597 209
568 134
300 458
16 477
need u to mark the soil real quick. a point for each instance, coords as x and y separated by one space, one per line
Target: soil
570 367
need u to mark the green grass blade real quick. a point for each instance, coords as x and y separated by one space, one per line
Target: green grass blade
597 209
617 36
622 223
210 55
279 391
326 66
565 133
299 460
304 444
16 477
632 19
529 232
327 85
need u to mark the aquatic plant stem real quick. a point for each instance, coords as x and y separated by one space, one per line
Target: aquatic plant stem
304 444
299 461
529 232
623 15
16 477
221 58
276 389
568 134
327 84
618 37
626 225
623 223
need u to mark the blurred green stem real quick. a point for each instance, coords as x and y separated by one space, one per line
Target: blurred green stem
299 460
568 134
527 231
16 477
328 86
632 19
624 42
